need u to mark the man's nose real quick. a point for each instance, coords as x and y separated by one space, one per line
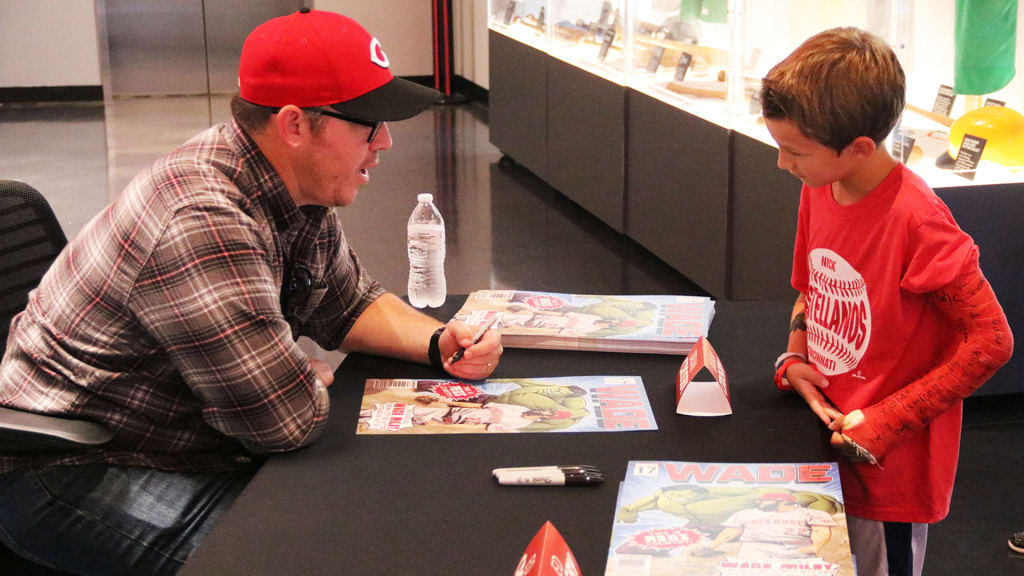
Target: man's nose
382 141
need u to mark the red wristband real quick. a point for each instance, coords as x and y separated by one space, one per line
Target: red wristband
780 375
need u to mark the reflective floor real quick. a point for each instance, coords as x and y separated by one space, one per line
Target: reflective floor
506 229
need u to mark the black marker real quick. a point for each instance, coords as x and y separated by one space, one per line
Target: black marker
549 476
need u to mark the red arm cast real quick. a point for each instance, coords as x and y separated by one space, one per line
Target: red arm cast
986 343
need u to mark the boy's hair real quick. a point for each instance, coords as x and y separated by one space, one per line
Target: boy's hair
838 85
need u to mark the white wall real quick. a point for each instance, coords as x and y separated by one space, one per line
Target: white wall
54 42
402 26
471 57
48 43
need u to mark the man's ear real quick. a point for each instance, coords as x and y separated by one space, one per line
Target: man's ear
861 147
291 125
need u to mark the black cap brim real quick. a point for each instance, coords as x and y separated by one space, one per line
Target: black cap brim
397 100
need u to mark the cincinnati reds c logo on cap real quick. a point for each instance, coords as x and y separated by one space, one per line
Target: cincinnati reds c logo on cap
377 55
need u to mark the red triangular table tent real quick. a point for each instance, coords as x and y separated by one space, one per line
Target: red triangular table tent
702 387
548 555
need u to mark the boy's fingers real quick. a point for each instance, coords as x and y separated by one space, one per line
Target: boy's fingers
819 380
823 412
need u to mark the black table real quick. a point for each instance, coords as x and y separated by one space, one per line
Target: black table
397 505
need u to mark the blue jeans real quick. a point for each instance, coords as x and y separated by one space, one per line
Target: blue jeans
887 548
103 519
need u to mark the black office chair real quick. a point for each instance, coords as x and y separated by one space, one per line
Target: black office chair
30 239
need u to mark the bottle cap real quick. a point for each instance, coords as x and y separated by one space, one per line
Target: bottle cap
425 197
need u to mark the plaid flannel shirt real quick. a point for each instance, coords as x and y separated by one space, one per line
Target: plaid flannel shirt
163 318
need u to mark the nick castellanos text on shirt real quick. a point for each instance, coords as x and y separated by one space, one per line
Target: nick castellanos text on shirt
620 406
830 307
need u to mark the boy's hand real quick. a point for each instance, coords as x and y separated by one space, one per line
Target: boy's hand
807 382
845 445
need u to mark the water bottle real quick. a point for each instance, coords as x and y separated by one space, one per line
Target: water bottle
427 286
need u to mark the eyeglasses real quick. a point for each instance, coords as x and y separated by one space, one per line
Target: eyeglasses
373 125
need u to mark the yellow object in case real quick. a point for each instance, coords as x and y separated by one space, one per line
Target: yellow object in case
1001 127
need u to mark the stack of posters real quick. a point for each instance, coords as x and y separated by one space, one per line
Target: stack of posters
505 405
656 324
725 519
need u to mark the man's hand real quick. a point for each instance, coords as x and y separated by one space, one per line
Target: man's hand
324 372
808 382
479 360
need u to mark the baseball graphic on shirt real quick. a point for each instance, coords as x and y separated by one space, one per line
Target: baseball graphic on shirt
838 313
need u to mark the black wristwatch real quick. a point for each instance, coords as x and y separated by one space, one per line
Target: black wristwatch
434 350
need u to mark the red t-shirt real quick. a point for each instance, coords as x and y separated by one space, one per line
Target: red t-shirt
865 269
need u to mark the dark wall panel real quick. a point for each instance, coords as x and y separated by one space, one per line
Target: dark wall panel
586 140
992 216
677 189
763 227
517 105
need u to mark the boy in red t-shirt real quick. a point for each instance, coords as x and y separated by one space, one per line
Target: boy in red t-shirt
895 324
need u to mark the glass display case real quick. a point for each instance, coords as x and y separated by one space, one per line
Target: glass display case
768 31
682 53
590 34
922 35
707 57
939 51
522 20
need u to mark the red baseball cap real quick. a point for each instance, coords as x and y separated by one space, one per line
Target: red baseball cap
315 58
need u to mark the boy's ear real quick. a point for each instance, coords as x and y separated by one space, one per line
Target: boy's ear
861 147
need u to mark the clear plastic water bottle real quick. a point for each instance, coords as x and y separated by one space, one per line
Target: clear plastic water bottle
425 242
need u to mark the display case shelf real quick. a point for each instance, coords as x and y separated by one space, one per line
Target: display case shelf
591 35
682 54
522 20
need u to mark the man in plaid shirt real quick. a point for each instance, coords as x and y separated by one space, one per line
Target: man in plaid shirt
172 317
